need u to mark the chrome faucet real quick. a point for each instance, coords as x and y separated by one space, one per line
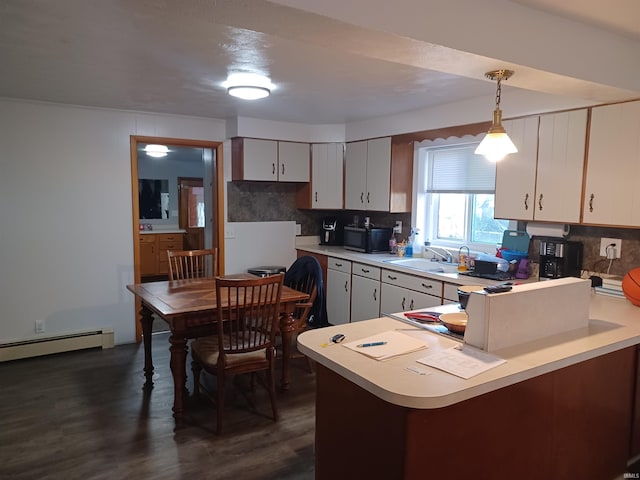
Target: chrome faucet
460 251
447 257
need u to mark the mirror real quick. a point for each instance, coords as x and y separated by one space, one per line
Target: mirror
153 198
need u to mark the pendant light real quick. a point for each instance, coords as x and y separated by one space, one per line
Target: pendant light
496 144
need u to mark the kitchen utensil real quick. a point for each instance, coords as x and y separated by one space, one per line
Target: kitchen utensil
464 291
456 322
427 317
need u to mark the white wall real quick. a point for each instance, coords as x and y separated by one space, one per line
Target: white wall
66 215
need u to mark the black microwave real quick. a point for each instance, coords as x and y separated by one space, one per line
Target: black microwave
367 240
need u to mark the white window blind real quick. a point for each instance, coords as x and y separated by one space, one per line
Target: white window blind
458 170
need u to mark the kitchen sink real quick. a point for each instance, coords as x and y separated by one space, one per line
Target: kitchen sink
424 265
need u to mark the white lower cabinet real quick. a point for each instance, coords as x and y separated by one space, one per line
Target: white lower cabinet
402 292
338 290
365 292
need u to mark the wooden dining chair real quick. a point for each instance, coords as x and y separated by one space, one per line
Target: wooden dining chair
185 264
248 311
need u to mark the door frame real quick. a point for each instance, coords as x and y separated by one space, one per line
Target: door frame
217 205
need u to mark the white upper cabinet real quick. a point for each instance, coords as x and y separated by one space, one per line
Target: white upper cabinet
561 148
294 162
543 181
611 195
516 173
270 160
327 173
368 175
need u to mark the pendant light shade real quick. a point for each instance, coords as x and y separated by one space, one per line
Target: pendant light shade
496 144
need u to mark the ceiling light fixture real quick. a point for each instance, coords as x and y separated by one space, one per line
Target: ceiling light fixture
156 151
496 144
248 92
248 86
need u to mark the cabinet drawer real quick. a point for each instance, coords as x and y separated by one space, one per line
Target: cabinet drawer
339 264
419 284
364 270
148 238
174 245
170 237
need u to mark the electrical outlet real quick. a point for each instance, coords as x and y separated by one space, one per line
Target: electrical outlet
611 252
40 326
298 229
398 226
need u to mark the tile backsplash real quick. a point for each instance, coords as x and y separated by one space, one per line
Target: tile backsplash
271 201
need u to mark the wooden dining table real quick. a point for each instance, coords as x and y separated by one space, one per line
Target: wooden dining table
189 308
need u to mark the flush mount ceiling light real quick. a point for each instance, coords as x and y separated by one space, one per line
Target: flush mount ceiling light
248 86
156 151
496 144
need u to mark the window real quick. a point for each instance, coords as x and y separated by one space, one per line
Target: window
455 198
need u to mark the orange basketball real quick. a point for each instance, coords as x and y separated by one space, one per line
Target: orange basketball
631 286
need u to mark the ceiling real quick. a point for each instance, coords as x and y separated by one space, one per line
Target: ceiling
172 56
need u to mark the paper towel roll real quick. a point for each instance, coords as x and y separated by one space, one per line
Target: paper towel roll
547 229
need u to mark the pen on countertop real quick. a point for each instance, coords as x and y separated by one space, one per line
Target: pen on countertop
372 344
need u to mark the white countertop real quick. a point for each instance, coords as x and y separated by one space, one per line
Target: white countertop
614 324
166 230
380 260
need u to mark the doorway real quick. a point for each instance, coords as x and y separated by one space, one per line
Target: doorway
188 183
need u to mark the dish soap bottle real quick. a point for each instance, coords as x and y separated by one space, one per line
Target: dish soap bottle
393 244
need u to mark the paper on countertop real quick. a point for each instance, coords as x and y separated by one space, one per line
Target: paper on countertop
462 360
397 344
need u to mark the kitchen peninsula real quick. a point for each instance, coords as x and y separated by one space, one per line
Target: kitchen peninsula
560 407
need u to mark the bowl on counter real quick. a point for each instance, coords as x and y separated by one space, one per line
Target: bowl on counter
456 322
511 255
464 291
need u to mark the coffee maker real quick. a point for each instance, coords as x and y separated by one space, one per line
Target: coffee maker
331 231
559 258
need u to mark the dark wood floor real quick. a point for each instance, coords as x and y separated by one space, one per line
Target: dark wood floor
85 415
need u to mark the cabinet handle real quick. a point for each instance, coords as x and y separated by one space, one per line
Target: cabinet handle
346 286
273 169
540 203
338 264
390 277
368 197
283 169
526 201
427 286
316 197
361 197
403 301
591 197
364 270
411 305
375 294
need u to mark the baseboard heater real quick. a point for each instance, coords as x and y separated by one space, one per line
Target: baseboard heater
34 347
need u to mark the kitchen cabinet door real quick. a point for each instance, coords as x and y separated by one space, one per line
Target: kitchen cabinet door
327 173
293 162
611 195
355 176
255 159
365 298
561 146
148 257
516 173
396 299
338 296
378 174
